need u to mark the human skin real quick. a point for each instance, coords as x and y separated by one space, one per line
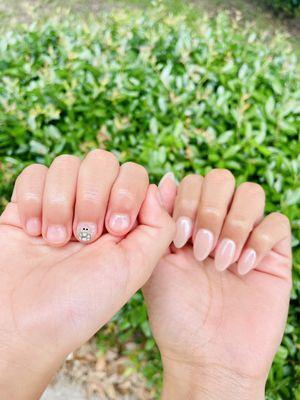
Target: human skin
218 319
56 292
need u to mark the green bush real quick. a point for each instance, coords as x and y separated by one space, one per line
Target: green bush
170 94
288 7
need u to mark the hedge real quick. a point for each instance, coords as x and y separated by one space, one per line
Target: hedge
170 94
288 7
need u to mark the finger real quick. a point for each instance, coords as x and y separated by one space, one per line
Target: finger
245 212
29 189
59 199
216 195
126 198
10 216
185 209
119 267
142 246
168 189
97 174
273 233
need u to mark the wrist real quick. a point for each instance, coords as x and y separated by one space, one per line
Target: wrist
184 381
25 371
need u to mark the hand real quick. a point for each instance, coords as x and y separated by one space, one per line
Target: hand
56 292
218 307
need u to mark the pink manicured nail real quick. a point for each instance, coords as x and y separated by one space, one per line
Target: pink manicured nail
247 261
224 254
184 226
33 226
159 198
86 231
168 175
56 234
119 222
203 244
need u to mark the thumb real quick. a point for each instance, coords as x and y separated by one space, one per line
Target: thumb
10 216
149 241
168 190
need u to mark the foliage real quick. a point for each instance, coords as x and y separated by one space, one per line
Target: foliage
170 95
288 7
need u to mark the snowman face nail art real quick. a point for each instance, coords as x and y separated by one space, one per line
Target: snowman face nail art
86 232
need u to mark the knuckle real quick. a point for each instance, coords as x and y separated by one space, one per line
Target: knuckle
90 196
187 205
220 175
64 160
240 225
137 168
252 188
192 179
31 197
104 154
58 201
263 239
123 197
211 213
34 168
281 220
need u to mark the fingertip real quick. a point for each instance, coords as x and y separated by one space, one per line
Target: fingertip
153 206
56 235
118 224
33 226
86 232
168 190
168 178
247 261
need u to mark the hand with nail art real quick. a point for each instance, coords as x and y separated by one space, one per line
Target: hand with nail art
72 253
218 301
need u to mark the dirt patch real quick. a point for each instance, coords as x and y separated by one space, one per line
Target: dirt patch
89 374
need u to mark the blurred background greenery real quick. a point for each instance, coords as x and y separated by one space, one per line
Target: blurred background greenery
173 86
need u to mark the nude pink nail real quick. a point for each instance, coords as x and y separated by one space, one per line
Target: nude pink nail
119 222
56 234
184 226
247 261
203 244
224 254
33 226
168 175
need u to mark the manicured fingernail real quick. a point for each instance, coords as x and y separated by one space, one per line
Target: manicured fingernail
86 231
224 254
56 234
119 222
247 261
184 226
159 198
33 226
203 244
168 175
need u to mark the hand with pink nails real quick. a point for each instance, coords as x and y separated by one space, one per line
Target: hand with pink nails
55 290
218 301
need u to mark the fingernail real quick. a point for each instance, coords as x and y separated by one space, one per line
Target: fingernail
86 231
56 233
119 222
168 175
247 261
184 226
159 198
203 244
33 226
224 254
